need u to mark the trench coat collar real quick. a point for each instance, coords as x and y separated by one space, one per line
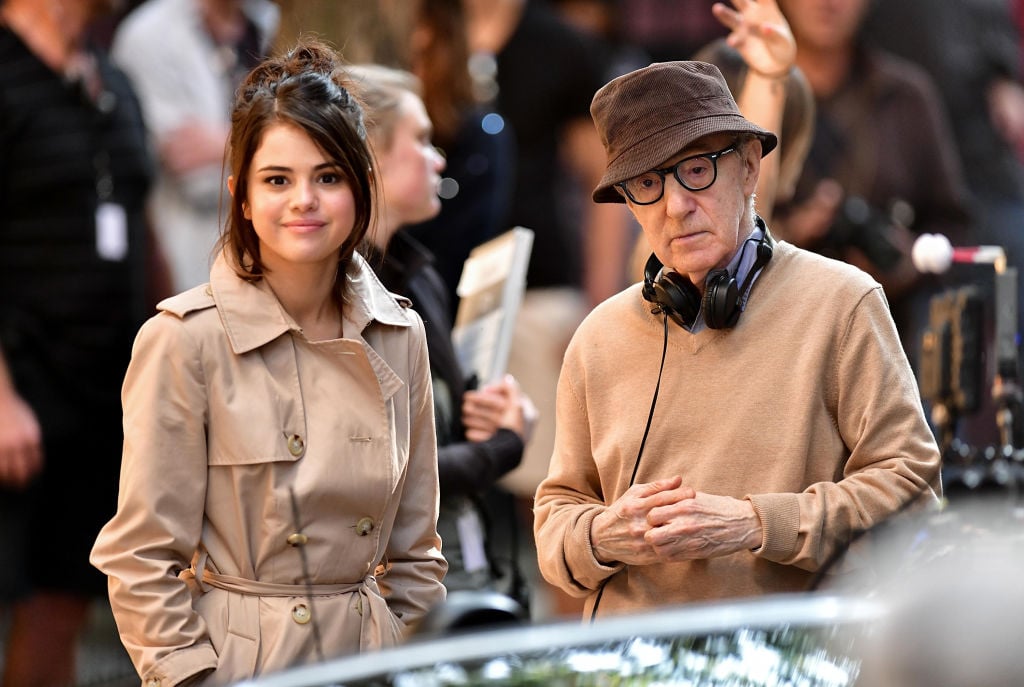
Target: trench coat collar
253 316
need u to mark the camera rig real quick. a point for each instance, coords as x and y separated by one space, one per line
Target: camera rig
952 372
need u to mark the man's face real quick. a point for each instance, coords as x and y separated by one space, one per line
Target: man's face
694 232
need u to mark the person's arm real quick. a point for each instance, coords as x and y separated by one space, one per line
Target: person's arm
190 148
21 447
412 585
469 467
161 497
893 458
760 33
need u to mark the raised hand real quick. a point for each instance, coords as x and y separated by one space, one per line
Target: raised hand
760 33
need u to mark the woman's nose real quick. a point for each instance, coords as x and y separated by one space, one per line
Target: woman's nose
439 161
304 196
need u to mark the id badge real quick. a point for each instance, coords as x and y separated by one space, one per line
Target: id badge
471 540
111 232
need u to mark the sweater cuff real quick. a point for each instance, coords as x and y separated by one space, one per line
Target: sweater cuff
583 562
780 524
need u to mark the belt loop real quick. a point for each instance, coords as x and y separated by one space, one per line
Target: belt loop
199 568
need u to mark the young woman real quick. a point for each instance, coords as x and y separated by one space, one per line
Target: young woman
279 494
480 433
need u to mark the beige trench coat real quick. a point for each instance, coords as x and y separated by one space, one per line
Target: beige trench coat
268 481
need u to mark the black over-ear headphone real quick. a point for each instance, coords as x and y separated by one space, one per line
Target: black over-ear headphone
677 297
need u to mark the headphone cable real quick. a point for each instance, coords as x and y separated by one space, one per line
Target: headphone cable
643 442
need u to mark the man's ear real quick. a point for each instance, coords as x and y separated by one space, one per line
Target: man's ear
751 166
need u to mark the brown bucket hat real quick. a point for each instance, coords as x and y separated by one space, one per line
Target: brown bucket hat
648 115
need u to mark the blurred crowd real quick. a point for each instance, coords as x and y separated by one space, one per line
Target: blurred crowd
905 117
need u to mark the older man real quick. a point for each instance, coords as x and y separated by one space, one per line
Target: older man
732 451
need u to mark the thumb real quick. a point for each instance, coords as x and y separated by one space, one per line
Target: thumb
665 484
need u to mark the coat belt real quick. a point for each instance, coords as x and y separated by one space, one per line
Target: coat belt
258 588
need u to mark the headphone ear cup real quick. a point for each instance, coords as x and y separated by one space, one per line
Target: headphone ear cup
673 294
721 300
679 298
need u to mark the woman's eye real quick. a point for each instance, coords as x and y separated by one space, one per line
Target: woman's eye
330 178
276 181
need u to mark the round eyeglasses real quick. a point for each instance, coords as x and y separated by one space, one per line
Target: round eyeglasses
694 173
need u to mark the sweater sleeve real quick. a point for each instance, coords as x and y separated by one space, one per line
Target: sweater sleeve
570 496
158 523
893 458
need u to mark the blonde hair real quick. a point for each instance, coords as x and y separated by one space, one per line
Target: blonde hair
381 90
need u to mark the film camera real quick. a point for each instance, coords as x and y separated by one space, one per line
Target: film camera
860 225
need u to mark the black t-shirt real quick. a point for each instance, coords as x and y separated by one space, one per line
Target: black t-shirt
548 73
68 315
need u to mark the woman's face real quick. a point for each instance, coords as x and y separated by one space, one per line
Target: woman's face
300 204
824 25
410 168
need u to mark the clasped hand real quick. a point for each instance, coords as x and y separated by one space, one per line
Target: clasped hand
664 521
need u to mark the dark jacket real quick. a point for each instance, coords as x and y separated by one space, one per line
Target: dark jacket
467 470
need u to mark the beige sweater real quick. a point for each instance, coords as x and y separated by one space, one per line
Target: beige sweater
808 408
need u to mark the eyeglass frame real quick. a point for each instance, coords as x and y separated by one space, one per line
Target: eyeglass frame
674 169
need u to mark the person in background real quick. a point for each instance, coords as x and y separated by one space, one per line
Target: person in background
580 251
882 168
185 59
670 29
75 282
478 148
480 433
278 496
971 49
730 451
605 20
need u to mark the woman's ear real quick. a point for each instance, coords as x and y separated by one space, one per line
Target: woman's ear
245 205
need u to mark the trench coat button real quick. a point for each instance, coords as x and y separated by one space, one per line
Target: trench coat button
297 539
364 527
153 682
301 614
296 446
208 290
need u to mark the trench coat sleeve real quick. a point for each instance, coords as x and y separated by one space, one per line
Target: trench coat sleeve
158 522
894 460
412 584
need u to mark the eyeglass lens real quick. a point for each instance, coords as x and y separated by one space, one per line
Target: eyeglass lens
693 173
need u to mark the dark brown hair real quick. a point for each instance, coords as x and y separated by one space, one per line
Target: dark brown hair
307 88
440 58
